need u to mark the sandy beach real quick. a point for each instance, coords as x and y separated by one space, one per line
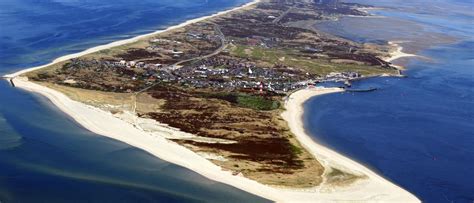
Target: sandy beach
397 53
374 188
131 40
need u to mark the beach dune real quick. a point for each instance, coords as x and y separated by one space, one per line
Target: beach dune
373 188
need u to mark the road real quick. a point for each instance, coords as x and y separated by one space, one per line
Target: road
174 66
224 44
276 20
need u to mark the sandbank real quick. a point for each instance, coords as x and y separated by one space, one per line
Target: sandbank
397 53
129 41
371 189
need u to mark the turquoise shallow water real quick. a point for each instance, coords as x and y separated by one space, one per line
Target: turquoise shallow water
416 131
47 157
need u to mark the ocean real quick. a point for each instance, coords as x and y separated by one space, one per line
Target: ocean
417 131
45 156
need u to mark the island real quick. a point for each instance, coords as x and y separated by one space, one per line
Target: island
223 94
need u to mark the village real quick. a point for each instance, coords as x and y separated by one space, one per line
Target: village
217 73
231 54
226 78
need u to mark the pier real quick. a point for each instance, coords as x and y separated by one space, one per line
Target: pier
11 82
361 90
10 79
348 83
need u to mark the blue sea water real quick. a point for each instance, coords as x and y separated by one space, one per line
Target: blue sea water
36 31
417 131
47 157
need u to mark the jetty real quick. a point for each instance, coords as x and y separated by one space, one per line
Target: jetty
11 82
362 90
348 83
10 79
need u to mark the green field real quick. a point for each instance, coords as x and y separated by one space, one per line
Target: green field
291 58
255 102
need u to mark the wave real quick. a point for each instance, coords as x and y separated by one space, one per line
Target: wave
9 138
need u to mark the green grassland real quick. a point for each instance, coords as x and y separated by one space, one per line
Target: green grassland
320 66
255 102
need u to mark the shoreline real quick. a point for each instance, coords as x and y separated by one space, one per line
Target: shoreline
104 123
294 116
397 53
372 189
129 41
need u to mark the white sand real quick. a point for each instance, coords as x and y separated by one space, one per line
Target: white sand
128 41
104 123
372 189
375 188
397 53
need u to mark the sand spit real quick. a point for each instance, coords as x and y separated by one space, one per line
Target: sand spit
397 53
371 189
129 41
374 188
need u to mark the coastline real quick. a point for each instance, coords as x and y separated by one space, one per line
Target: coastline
129 41
380 187
104 123
397 53
372 189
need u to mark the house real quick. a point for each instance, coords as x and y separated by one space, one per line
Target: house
308 49
140 64
174 51
253 42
